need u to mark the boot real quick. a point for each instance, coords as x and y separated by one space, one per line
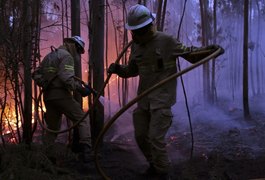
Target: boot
163 176
86 154
151 171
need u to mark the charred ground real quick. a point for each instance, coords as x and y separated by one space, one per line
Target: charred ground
229 147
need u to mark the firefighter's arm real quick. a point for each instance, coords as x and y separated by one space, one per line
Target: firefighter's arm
66 72
85 90
37 76
124 71
198 53
192 54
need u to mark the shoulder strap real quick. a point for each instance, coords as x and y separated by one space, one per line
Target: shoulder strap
53 48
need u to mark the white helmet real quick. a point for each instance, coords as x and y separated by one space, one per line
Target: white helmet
138 17
80 42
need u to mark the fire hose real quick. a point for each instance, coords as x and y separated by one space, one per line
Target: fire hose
139 97
93 105
122 110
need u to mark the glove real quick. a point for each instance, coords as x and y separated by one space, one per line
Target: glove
85 91
215 47
113 68
93 91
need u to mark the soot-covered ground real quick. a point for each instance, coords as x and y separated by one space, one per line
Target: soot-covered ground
225 147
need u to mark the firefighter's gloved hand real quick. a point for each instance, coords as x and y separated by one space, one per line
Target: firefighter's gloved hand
85 91
113 68
215 47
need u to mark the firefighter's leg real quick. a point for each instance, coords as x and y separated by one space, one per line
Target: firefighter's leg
73 111
141 120
161 120
53 121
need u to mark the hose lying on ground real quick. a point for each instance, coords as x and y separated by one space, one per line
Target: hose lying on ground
139 97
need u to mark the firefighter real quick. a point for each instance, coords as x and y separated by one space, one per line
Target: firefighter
55 75
153 58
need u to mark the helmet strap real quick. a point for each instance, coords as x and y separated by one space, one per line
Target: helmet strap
151 15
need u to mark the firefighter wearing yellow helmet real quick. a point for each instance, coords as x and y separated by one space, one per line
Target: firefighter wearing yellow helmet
153 58
55 75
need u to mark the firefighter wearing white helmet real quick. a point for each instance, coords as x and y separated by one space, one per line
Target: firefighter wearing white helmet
153 58
80 44
138 17
55 75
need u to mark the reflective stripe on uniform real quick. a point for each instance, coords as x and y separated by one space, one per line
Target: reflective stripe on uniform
169 64
69 67
184 48
50 69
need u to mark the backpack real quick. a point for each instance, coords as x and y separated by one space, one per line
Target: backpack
38 74
38 78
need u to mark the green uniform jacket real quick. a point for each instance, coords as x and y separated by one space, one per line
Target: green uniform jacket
57 70
155 60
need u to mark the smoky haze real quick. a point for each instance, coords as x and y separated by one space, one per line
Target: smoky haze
226 114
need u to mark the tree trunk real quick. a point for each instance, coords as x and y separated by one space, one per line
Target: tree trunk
213 86
75 25
163 15
2 111
36 50
245 62
159 12
27 49
125 81
206 74
259 71
251 65
97 61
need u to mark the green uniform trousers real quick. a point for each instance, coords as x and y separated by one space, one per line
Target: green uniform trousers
151 127
72 110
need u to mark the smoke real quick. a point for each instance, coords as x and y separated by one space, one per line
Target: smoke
122 129
220 127
222 117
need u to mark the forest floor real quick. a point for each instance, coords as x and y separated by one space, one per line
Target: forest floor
220 152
